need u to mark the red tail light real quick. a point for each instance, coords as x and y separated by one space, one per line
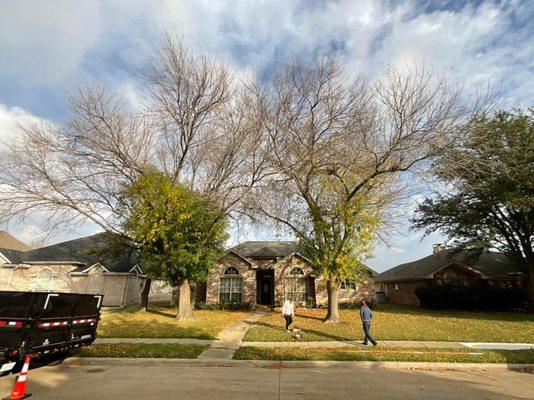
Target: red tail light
16 324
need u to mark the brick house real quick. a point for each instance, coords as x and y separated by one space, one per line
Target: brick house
83 265
266 273
448 266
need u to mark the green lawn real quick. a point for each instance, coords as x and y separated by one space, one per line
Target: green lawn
161 323
397 322
389 354
142 350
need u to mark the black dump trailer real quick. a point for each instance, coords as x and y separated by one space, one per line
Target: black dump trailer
43 323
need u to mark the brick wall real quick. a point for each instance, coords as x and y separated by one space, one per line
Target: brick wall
57 278
248 275
403 292
364 290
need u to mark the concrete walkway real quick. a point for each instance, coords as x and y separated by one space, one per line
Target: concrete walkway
231 338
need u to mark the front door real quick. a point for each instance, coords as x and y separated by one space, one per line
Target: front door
265 287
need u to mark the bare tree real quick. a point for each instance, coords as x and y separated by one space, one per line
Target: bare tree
194 127
338 146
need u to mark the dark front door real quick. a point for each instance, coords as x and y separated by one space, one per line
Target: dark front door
265 287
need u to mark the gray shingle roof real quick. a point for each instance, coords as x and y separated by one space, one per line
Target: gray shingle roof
265 249
89 250
491 264
10 242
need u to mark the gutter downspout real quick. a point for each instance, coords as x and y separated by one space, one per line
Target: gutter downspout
126 291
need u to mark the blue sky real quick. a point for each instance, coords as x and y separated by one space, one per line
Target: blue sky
50 47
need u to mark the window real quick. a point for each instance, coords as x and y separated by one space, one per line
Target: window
231 287
44 282
348 284
296 287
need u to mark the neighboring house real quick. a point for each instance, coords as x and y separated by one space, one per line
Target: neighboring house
267 273
449 266
12 243
85 265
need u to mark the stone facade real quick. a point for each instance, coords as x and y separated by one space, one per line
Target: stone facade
250 271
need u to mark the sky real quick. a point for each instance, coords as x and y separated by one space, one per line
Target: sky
48 48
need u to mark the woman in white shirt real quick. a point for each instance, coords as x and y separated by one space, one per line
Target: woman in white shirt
288 311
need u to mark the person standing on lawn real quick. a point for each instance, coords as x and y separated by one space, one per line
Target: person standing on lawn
366 314
288 311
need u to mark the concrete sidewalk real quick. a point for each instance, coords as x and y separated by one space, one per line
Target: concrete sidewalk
153 340
393 343
231 338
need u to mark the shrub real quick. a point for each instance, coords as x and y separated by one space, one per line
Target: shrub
201 305
482 297
310 302
352 305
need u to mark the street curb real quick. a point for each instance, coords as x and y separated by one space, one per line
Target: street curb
394 365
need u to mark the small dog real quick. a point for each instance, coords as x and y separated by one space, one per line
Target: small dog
297 334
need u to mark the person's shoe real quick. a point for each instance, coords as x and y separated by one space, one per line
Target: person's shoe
287 330
375 344
364 343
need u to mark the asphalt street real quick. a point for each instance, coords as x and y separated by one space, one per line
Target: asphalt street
160 381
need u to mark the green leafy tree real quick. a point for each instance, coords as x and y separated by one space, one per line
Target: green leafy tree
336 240
179 233
490 203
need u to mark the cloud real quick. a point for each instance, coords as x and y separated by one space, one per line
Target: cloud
60 44
10 121
42 42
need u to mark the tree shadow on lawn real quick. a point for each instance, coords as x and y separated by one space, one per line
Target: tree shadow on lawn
162 313
304 316
511 316
306 331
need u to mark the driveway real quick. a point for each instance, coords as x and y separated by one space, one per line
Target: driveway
159 381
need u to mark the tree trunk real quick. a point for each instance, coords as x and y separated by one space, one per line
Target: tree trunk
185 309
530 280
333 309
145 294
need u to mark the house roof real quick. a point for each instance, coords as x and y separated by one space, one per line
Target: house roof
88 250
490 264
10 242
265 249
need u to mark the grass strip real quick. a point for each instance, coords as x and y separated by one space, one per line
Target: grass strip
142 350
387 354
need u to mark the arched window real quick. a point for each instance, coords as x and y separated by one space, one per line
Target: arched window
296 272
44 282
231 286
296 286
231 271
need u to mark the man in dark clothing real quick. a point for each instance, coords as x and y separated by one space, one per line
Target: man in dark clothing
366 314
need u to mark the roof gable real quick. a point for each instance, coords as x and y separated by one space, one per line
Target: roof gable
88 250
488 264
10 242
265 249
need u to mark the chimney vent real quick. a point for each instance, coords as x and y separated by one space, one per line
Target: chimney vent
437 247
